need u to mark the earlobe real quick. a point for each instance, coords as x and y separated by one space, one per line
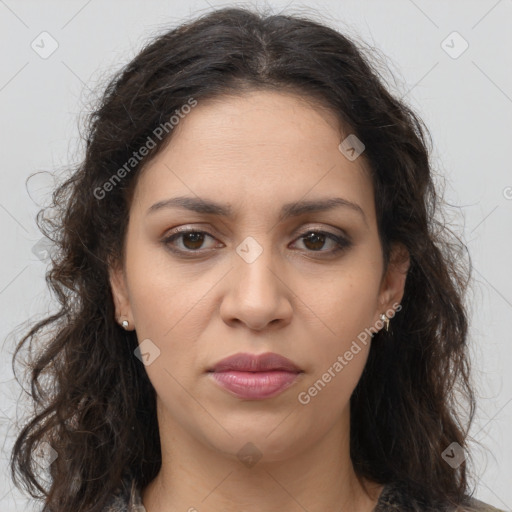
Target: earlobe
393 284
120 296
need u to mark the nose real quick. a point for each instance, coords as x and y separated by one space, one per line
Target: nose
256 294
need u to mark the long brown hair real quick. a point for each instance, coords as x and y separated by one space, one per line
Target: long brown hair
95 403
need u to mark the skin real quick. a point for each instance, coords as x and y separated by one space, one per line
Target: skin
255 152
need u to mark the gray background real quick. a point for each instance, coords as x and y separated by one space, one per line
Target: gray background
466 101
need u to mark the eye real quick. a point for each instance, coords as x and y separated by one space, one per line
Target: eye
192 241
314 240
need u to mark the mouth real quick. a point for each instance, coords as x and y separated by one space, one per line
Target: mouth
255 385
245 362
255 377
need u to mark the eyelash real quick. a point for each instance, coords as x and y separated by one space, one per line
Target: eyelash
342 243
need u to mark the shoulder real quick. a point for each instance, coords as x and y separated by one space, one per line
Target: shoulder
397 498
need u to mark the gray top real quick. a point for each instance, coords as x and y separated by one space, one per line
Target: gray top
393 498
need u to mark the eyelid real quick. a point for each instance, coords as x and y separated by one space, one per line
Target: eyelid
298 232
175 233
192 228
326 228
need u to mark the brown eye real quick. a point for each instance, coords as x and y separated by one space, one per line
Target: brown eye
191 241
315 240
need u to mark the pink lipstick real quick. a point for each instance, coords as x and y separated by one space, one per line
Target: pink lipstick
255 377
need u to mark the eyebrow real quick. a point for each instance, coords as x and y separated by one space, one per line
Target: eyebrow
294 209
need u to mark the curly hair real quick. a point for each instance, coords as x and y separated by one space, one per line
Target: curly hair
95 404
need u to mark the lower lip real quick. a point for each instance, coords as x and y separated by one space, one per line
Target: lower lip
255 385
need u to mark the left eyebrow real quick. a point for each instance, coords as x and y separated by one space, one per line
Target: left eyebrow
294 209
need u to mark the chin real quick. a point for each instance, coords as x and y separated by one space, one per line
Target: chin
262 442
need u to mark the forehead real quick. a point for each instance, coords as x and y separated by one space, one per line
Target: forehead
261 146
258 118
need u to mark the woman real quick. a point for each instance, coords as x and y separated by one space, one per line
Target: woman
259 311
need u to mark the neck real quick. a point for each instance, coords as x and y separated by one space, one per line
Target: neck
197 477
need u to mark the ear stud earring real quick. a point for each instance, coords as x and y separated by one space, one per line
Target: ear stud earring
125 324
385 319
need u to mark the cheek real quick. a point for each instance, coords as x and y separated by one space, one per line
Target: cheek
347 311
348 302
162 295
166 308
346 308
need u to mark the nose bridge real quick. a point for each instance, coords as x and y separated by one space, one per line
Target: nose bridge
254 269
256 295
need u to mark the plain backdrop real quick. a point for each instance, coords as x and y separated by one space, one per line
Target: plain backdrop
452 64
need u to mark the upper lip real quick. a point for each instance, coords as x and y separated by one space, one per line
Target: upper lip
255 363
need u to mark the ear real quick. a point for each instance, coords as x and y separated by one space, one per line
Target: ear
393 281
120 294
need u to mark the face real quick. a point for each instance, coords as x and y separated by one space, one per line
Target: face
199 286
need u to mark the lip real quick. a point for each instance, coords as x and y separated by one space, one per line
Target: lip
255 377
245 362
